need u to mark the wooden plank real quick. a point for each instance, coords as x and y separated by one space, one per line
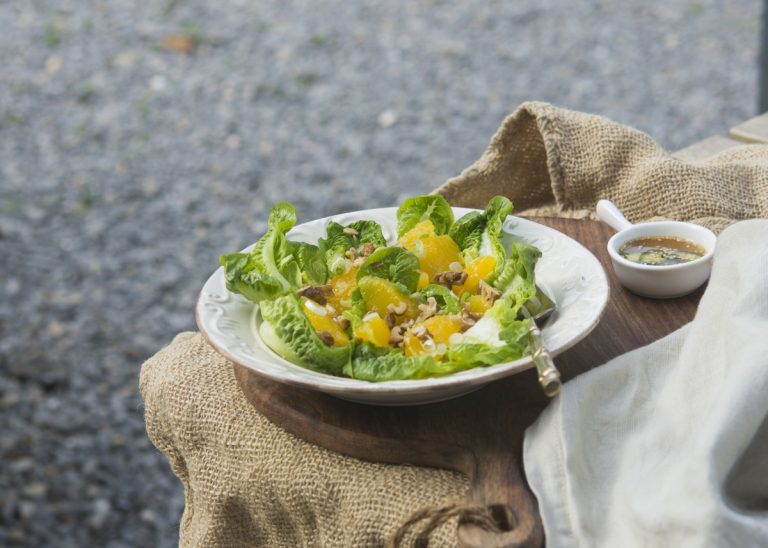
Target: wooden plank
703 150
754 130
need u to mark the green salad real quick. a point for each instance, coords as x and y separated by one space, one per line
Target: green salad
444 297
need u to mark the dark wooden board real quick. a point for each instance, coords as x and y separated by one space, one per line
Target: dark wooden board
480 434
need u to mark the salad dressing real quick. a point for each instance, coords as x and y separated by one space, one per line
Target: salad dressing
661 251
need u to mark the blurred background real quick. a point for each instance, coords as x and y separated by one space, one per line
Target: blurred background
140 140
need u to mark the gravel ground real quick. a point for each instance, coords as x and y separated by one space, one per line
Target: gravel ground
139 140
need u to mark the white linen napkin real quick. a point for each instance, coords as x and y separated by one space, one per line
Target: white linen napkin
667 445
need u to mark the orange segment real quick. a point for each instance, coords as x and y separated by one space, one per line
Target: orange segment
374 331
324 322
440 330
412 345
478 305
442 327
478 269
342 286
436 253
419 231
379 293
423 280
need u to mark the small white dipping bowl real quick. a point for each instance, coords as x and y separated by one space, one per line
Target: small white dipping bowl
658 282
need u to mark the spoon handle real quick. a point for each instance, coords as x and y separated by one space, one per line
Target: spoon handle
611 215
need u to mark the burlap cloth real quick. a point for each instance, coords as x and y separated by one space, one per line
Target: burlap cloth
247 482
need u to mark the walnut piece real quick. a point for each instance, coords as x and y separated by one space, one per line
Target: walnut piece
427 310
342 321
326 337
399 309
317 293
468 319
396 335
390 319
450 278
367 249
489 292
421 332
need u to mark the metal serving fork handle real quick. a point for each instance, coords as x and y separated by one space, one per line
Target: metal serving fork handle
540 308
549 376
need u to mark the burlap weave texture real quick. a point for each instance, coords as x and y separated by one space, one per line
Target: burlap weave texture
551 161
249 483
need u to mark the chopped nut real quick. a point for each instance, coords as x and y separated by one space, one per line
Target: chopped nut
326 337
367 249
331 310
317 293
342 321
390 319
399 309
351 254
470 315
450 278
422 333
489 292
348 230
357 263
427 310
396 335
455 266
468 319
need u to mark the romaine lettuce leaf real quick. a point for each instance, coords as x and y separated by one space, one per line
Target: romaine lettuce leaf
516 280
337 242
270 268
311 262
495 213
368 232
420 208
479 234
468 230
287 331
494 327
394 264
356 312
381 364
242 277
513 336
467 355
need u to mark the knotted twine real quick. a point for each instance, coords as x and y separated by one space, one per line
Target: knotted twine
435 517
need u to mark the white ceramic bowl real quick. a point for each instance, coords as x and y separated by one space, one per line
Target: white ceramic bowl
571 274
659 282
